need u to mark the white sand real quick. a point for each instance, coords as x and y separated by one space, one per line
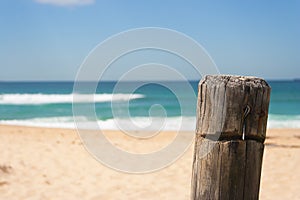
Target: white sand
40 163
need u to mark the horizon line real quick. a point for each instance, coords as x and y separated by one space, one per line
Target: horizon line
191 80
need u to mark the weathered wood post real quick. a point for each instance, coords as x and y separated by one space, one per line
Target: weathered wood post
232 114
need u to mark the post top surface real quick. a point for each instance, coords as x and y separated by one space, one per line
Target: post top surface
232 81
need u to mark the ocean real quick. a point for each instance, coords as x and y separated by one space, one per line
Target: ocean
49 104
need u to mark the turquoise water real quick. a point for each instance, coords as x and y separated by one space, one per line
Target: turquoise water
49 104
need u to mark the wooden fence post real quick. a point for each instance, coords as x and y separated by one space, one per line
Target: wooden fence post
232 114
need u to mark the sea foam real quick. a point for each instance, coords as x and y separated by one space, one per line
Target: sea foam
144 123
138 123
33 99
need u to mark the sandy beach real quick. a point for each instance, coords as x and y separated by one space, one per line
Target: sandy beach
42 163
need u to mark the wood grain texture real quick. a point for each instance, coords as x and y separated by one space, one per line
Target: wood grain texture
232 116
222 101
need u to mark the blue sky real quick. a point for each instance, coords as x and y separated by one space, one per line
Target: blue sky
49 39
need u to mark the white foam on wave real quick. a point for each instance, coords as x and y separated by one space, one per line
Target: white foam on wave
33 99
283 121
150 124
139 123
48 122
172 123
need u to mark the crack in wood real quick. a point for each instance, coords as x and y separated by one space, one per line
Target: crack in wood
231 122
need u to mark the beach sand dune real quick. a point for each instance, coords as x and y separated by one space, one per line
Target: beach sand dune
41 163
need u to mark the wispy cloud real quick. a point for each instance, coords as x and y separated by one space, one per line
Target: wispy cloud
66 2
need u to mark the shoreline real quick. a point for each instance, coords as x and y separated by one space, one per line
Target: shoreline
111 130
52 163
